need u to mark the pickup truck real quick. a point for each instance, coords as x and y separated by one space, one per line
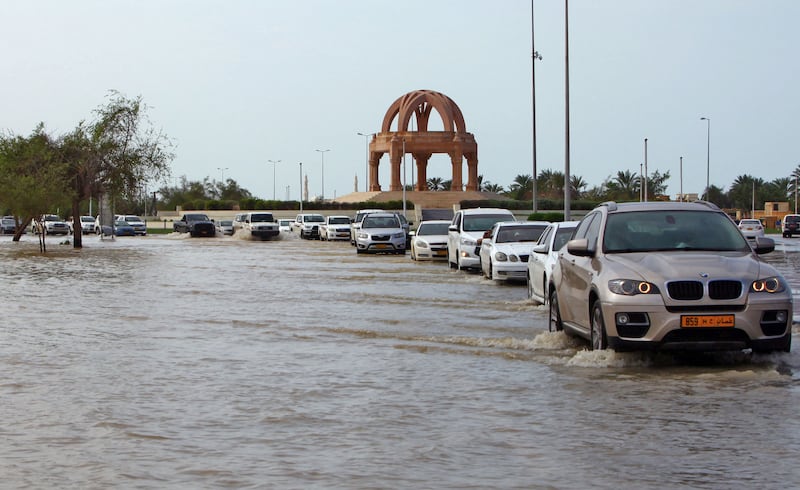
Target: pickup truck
195 224
261 226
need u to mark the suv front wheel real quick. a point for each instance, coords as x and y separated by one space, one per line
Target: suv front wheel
599 339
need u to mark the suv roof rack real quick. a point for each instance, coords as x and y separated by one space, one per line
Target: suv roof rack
611 205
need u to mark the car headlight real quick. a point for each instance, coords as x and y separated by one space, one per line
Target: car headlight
631 287
363 236
468 241
770 285
500 256
422 244
399 235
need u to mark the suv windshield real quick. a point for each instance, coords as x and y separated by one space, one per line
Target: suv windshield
261 218
339 221
648 231
380 222
314 218
483 222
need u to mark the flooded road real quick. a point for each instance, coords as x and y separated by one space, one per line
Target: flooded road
168 362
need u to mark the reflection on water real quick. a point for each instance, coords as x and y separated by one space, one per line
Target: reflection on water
169 362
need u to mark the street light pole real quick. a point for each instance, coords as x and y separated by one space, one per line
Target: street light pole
322 153
681 167
223 169
301 187
536 56
274 164
366 167
645 170
708 155
567 193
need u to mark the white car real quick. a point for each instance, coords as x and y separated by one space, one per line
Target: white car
544 257
86 224
335 228
751 228
429 241
238 222
467 227
285 224
225 227
137 223
381 233
506 248
356 223
54 225
307 225
261 225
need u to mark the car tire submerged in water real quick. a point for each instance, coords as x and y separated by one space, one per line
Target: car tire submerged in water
599 338
554 323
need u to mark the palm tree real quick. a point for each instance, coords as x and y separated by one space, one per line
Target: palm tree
520 187
576 186
496 188
435 184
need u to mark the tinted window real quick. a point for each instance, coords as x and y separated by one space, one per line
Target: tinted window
519 233
433 229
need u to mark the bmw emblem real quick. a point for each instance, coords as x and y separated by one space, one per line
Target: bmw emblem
704 275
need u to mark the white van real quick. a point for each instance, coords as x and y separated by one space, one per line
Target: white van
467 227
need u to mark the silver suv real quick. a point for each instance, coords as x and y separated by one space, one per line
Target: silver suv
671 276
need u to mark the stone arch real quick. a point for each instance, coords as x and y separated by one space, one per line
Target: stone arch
454 140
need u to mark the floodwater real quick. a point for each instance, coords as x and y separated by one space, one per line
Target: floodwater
168 362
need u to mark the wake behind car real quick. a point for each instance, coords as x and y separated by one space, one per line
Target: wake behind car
505 249
195 224
381 233
669 276
429 241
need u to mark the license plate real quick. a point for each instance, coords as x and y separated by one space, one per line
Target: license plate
382 246
440 253
692 321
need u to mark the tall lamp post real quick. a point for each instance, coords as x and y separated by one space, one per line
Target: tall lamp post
274 164
366 168
301 187
536 56
708 155
322 153
223 169
567 189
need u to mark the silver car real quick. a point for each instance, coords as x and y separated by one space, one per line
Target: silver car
381 233
670 276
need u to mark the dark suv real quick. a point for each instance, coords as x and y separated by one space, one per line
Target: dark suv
671 276
790 225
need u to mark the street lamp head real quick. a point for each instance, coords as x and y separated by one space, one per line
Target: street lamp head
704 119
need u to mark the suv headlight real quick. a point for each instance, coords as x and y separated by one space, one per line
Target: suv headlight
468 241
770 285
399 235
363 236
632 287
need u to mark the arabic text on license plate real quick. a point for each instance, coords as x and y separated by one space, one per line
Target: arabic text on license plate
381 245
692 321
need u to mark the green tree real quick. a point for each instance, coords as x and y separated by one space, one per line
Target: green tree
521 187
32 175
117 154
434 184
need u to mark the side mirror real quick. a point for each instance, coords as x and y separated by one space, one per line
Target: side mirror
452 228
540 249
579 247
412 233
763 245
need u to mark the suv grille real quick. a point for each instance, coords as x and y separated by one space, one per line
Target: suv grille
724 289
693 290
685 290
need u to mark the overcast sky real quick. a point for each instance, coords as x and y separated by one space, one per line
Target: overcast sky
237 83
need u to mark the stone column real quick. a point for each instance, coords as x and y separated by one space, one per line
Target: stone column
422 170
374 161
456 160
396 159
472 172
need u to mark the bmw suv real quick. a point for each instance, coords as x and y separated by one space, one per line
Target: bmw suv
669 276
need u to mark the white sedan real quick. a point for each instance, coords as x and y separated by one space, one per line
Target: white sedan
751 228
504 250
430 240
544 256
